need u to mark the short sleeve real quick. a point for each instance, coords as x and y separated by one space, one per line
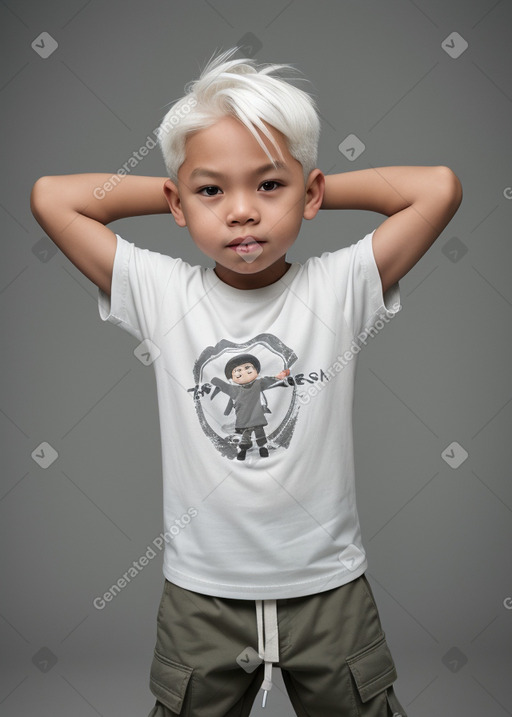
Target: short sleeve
356 282
139 281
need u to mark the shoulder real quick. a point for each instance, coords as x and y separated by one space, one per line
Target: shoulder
150 263
335 268
359 251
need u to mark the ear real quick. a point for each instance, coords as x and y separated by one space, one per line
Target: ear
173 200
315 186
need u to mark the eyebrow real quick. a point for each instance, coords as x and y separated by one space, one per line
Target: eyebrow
204 172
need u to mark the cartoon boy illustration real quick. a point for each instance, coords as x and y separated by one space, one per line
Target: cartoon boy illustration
246 398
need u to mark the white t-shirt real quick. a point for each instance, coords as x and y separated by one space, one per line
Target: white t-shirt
270 526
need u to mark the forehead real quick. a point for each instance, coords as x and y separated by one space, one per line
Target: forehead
228 141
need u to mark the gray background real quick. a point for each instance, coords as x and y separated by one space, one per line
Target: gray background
438 537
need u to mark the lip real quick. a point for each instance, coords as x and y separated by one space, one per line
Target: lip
246 241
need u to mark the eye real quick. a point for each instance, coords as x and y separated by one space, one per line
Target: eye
270 185
210 191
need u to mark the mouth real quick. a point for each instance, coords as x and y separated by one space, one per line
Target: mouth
246 245
245 241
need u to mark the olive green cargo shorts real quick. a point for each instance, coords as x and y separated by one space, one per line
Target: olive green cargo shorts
332 653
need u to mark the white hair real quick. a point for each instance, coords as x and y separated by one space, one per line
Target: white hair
247 91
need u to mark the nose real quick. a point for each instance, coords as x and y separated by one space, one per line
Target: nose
242 209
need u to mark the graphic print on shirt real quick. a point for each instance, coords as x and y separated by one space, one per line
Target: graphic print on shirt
242 397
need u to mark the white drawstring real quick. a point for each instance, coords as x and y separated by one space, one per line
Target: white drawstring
268 640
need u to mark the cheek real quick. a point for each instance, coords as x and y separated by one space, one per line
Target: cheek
203 215
288 219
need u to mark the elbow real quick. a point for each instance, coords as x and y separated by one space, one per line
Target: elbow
35 195
450 185
39 189
40 184
46 191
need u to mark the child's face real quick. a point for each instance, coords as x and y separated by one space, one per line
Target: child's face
239 209
245 373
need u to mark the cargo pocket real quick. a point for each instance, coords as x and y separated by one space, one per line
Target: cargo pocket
374 672
168 681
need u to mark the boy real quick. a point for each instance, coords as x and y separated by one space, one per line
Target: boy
246 399
271 571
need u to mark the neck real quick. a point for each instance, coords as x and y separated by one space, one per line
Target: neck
257 280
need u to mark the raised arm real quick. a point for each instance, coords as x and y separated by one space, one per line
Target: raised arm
74 209
419 201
